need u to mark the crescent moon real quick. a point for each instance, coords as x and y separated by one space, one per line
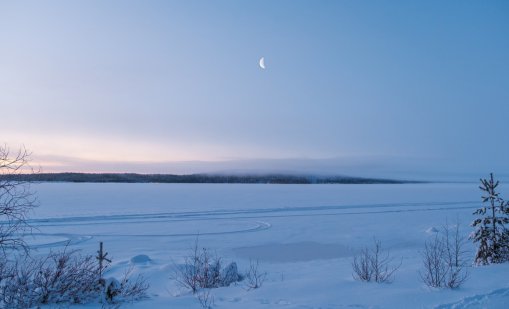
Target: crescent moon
262 63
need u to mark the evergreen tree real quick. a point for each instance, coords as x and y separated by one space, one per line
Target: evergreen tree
490 230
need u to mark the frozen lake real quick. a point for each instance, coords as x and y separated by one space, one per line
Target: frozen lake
304 235
85 199
280 213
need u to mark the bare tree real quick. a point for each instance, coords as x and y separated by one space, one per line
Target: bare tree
374 264
16 198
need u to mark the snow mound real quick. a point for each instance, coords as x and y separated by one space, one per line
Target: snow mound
141 259
230 274
432 230
111 289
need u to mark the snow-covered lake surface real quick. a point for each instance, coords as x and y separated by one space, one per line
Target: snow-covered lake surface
304 237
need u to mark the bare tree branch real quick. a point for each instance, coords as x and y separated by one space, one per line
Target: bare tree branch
16 199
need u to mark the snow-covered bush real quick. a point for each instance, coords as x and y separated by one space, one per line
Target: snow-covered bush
490 228
132 288
374 264
65 277
111 289
127 289
444 262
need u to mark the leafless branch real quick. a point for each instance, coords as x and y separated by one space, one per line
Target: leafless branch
16 199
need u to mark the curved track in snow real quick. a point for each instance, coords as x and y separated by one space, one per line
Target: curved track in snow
225 221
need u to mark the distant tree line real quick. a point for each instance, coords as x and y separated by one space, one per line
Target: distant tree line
195 178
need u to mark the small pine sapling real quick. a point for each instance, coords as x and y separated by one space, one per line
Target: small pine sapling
102 258
490 230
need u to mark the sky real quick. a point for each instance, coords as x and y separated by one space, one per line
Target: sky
350 87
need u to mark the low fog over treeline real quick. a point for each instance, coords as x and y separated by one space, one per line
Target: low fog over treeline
196 178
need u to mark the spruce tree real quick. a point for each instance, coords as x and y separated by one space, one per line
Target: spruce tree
490 230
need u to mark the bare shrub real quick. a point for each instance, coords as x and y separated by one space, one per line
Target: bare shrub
254 277
203 270
205 298
133 288
374 264
200 270
127 289
456 256
435 266
444 262
16 199
362 266
15 288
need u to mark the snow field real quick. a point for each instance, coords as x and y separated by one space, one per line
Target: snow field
304 236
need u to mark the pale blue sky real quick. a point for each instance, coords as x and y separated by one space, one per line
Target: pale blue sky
124 83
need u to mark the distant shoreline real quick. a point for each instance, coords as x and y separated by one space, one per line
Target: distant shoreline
197 178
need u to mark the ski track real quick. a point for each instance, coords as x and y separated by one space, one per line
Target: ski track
71 240
252 213
250 216
488 300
